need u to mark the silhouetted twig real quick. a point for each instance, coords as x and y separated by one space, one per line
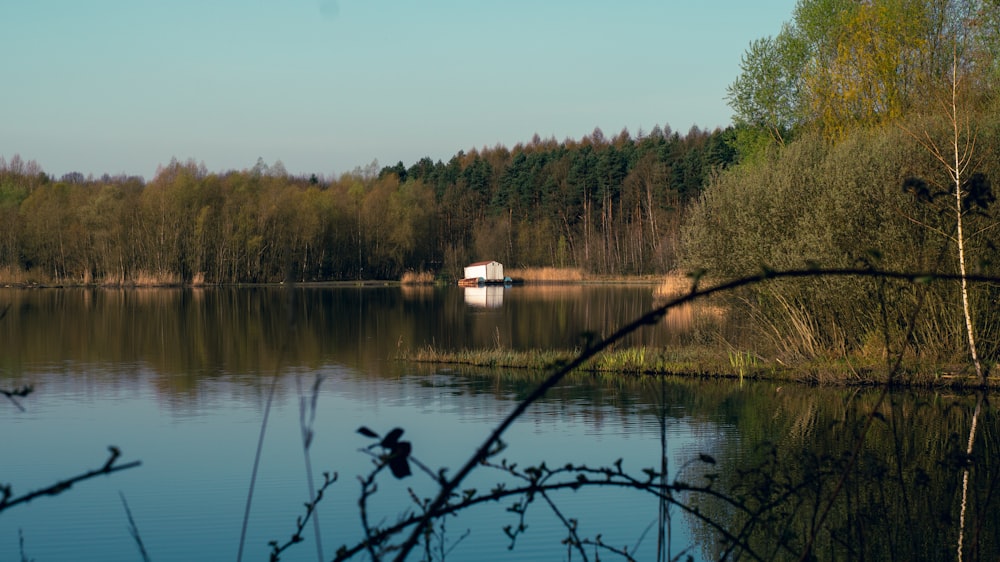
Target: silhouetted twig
133 529
300 523
542 480
7 499
307 419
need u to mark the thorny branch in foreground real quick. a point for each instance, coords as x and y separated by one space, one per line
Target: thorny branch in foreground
301 522
542 481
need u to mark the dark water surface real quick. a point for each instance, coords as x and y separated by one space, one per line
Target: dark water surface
180 380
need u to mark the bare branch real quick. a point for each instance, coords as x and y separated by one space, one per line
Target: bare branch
301 522
6 501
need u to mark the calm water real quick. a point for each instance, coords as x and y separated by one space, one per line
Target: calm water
179 379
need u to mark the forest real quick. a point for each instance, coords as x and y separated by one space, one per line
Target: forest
608 205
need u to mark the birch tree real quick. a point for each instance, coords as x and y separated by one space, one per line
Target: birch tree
957 156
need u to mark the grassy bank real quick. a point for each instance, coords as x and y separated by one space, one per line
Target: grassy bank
736 365
625 361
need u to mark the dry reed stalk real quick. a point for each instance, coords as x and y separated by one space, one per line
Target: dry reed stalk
417 278
673 286
159 279
685 316
112 280
13 276
547 274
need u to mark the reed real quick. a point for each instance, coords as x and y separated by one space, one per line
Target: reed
417 278
673 285
489 357
145 278
622 361
628 360
15 276
547 274
742 362
112 280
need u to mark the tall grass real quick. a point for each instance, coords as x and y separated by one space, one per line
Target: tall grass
155 279
743 362
16 276
673 285
417 278
490 357
623 361
547 274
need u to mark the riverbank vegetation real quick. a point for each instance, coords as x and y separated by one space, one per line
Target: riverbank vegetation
877 132
706 362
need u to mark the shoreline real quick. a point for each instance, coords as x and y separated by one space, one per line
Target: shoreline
528 276
651 281
636 363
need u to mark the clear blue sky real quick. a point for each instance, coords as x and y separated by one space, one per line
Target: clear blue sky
121 86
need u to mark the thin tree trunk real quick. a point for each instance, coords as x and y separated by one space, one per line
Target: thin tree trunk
961 160
956 165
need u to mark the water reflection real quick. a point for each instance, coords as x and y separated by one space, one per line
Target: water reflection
486 296
197 448
179 379
252 330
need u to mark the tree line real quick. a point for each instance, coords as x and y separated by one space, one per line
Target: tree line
608 205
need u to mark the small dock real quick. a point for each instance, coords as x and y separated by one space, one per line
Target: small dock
482 282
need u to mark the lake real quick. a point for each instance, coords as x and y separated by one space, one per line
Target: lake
181 379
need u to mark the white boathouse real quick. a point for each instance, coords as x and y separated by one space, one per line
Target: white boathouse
488 271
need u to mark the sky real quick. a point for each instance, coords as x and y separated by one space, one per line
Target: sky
328 86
